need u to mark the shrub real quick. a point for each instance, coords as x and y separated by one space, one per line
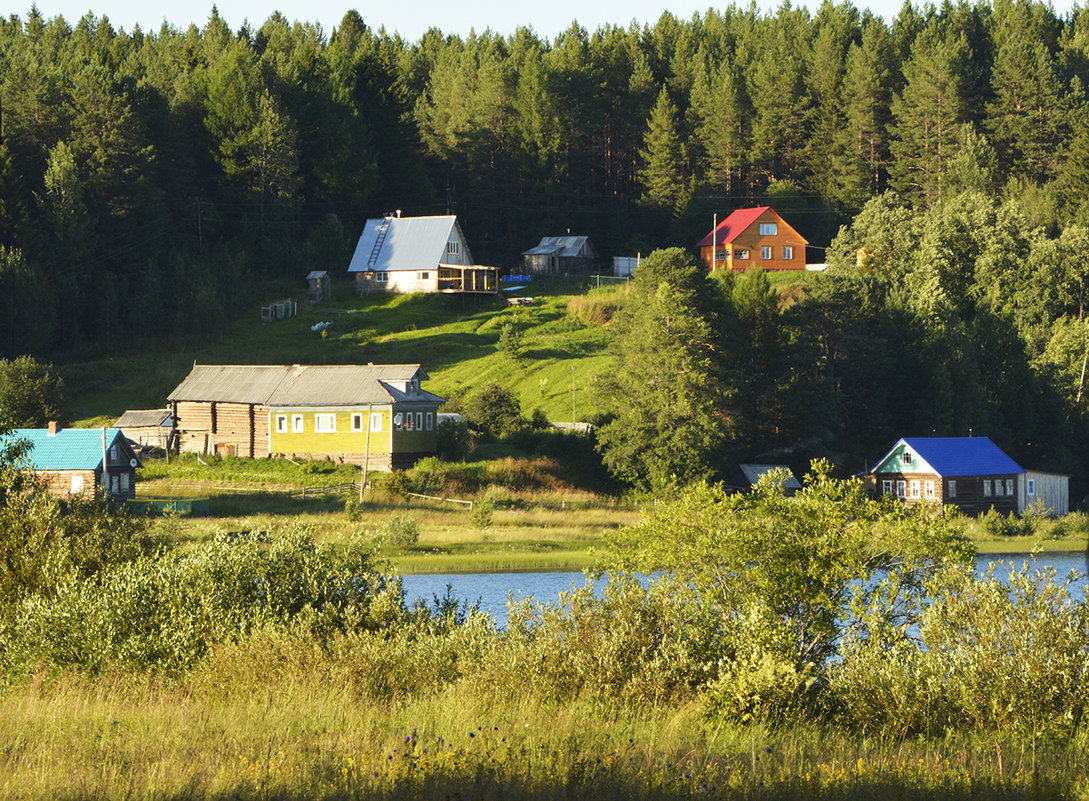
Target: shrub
510 341
481 516
453 442
400 530
495 411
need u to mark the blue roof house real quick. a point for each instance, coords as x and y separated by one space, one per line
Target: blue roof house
70 460
971 472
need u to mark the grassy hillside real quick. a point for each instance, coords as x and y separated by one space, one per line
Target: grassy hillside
456 339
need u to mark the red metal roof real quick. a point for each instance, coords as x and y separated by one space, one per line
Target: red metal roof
729 229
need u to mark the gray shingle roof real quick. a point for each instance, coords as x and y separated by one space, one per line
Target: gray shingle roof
143 418
301 385
563 246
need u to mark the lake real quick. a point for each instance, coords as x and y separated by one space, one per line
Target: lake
493 589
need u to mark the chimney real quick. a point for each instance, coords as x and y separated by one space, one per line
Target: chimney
53 427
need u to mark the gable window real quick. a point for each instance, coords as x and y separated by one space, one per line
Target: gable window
907 457
788 252
886 487
325 423
357 421
1032 486
769 229
928 488
901 489
765 252
281 424
914 489
376 421
114 455
452 247
296 423
952 488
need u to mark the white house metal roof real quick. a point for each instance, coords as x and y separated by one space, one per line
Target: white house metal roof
391 244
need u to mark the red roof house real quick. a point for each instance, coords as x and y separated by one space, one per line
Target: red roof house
754 238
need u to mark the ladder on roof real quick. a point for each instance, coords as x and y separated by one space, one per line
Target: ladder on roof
383 229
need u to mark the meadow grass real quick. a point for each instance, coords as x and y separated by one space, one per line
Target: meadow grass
299 737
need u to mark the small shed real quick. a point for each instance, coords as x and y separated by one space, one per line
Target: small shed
561 254
1050 491
754 472
73 461
147 427
319 286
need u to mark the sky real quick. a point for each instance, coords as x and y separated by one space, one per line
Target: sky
411 18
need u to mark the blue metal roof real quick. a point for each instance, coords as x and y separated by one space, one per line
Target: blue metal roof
68 449
959 456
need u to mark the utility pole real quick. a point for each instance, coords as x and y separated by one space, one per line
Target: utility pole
367 452
573 418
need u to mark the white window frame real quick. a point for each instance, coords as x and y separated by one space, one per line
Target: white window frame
376 421
419 421
986 488
765 252
886 486
423 275
906 457
430 420
769 229
325 423
77 483
915 488
901 489
124 482
788 253
1031 488
928 489
1009 487
357 421
453 247
281 424
297 424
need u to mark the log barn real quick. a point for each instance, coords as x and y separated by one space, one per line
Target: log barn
378 414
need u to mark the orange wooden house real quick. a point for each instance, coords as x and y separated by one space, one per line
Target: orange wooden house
754 238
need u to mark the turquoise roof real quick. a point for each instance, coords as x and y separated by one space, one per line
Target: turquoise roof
68 449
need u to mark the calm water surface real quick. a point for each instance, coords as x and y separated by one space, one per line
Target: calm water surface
492 590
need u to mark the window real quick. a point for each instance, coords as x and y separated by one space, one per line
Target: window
297 423
914 489
986 488
452 247
765 252
398 422
430 420
742 253
901 489
124 482
325 423
419 421
928 488
907 458
788 252
886 487
115 484
115 455
769 229
1009 486
409 421
281 424
357 421
376 421
1032 486
381 278
952 488
423 276
77 484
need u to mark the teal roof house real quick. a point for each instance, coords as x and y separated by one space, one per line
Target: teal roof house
75 461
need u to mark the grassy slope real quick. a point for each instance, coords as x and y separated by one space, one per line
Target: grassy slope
454 338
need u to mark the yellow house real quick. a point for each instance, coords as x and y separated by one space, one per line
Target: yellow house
378 414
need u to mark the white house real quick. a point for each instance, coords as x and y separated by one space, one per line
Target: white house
418 254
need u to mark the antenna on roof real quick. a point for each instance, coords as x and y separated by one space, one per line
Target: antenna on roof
969 432
398 214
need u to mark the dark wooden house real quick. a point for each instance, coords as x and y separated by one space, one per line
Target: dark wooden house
561 254
971 472
147 427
